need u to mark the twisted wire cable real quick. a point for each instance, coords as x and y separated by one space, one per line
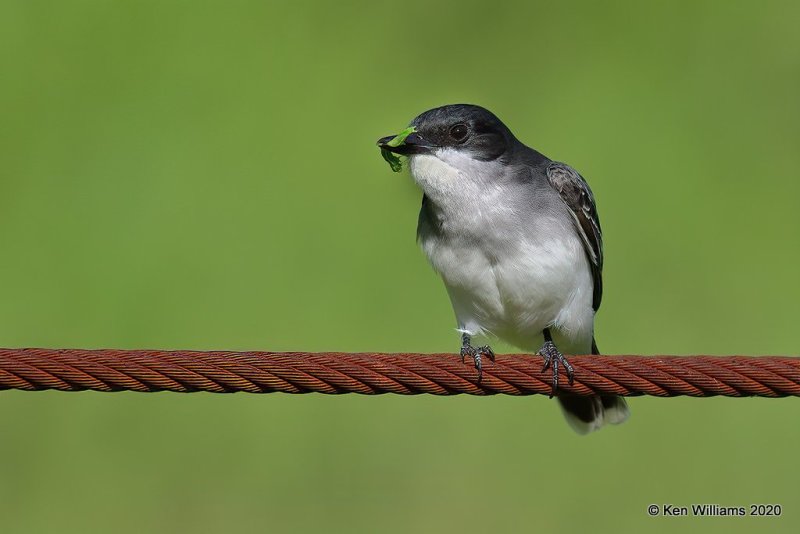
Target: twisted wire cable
182 371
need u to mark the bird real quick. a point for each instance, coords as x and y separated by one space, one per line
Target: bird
516 239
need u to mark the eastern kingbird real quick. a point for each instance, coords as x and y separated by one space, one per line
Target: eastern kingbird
516 238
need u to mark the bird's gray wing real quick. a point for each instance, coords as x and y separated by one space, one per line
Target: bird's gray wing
578 197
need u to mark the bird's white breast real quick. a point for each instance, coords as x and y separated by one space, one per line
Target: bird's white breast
508 274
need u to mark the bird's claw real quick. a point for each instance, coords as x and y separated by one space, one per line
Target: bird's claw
467 350
553 357
477 353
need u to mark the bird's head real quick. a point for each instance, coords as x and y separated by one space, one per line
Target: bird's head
464 128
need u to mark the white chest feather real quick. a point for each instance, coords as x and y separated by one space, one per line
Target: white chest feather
508 274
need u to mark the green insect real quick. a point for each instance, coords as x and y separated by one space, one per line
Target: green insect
391 158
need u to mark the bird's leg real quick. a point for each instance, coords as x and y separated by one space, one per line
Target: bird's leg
552 356
476 353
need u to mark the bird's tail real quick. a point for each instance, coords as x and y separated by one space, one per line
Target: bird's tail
587 414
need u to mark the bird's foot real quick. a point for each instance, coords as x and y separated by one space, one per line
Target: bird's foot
553 358
476 353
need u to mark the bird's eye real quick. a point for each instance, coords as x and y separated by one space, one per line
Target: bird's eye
459 132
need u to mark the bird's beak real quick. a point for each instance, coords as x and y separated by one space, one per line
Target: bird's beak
412 144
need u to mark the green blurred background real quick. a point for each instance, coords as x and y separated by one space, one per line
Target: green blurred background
203 175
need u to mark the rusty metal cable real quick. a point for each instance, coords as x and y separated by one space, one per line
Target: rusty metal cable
405 374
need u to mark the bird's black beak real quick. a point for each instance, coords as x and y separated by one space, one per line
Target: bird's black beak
412 144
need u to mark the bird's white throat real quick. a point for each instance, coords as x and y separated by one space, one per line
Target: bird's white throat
447 170
464 187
